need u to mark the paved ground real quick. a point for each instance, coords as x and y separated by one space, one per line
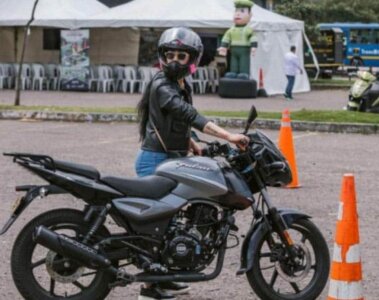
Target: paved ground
322 159
316 100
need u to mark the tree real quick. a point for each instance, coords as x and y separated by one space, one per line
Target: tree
313 12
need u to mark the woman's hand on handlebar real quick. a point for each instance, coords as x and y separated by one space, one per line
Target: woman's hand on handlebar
239 139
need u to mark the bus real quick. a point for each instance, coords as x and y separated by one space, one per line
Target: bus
360 42
328 49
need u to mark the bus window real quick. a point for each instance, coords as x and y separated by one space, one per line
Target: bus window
353 36
375 36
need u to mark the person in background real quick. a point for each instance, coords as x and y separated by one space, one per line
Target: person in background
291 68
166 116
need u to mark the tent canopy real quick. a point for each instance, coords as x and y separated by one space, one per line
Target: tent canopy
49 13
275 33
191 13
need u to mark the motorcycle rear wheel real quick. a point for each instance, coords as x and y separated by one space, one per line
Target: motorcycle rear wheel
274 277
40 274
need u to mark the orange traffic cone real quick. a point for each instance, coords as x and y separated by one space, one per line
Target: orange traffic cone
261 90
287 148
346 270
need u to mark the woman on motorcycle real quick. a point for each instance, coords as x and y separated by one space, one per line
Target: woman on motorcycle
165 111
166 116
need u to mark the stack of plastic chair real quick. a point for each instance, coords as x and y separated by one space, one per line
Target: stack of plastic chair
26 74
3 76
51 71
93 79
39 79
214 77
197 81
145 77
105 81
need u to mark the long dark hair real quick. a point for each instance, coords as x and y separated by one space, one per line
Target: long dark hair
143 111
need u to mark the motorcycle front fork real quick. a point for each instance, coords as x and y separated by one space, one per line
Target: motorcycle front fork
280 226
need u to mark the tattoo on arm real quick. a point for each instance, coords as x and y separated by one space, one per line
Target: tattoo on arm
212 129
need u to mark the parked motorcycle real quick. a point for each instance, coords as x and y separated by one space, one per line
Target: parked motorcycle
364 93
175 226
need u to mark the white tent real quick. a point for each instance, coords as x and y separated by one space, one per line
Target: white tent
275 33
49 13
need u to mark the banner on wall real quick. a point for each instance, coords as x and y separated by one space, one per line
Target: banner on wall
75 59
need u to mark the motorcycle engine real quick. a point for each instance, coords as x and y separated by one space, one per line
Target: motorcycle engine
190 242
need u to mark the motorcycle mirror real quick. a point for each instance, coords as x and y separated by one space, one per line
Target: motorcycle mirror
252 116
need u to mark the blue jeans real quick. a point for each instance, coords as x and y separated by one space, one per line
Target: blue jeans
290 84
147 162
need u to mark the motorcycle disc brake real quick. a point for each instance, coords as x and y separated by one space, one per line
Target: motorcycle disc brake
305 268
69 272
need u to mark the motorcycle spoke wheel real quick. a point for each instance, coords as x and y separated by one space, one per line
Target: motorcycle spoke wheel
300 280
41 274
50 272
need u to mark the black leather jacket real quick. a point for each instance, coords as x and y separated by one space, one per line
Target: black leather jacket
172 113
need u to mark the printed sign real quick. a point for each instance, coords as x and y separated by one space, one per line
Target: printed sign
75 59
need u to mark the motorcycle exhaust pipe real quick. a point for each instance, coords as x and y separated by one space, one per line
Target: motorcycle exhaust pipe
72 249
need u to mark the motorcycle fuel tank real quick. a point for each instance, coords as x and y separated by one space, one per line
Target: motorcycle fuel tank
198 177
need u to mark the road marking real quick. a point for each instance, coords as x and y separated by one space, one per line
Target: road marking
305 135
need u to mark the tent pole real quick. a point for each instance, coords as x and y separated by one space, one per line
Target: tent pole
313 55
26 33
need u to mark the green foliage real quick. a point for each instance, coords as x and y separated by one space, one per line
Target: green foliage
313 12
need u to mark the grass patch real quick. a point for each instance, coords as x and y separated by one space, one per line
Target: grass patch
332 82
335 116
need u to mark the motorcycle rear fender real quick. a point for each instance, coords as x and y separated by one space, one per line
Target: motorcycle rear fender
255 234
32 192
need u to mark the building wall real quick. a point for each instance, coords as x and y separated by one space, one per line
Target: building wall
107 46
114 46
7 44
34 52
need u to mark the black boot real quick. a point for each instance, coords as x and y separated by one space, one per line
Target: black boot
154 292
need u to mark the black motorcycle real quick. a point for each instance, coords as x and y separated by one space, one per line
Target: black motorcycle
174 224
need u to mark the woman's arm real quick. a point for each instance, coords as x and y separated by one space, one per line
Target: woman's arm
236 138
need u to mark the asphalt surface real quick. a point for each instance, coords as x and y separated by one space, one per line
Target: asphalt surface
315 100
322 159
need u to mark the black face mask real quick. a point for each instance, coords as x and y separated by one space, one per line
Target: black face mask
175 70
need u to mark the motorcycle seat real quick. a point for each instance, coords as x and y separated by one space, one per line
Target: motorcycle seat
151 187
78 169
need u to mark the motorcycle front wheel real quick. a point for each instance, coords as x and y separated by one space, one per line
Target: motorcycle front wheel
277 277
41 274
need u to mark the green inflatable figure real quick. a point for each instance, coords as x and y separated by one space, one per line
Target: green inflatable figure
240 40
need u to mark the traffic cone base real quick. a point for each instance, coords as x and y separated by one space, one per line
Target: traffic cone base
287 148
346 269
261 90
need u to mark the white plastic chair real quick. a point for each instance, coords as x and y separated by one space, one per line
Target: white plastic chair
129 79
145 75
39 79
3 76
214 77
52 75
93 79
105 81
197 82
26 74
10 74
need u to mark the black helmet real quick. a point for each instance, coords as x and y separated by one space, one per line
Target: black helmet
180 38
